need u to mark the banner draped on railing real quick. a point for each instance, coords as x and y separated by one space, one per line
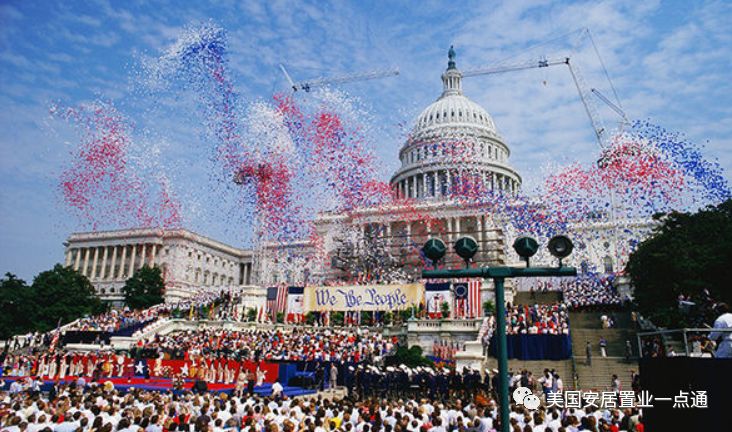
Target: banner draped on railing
362 297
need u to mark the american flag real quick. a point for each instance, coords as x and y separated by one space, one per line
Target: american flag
467 299
56 336
276 301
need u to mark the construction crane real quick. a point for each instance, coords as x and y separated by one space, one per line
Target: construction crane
585 93
320 82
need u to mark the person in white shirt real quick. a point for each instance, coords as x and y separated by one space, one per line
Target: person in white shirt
437 426
277 389
554 421
723 339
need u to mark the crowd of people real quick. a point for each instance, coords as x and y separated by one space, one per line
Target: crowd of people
101 408
293 344
591 293
210 303
550 319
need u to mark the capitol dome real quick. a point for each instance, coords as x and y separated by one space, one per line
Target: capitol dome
454 148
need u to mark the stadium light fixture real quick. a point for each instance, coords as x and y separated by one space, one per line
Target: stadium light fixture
466 247
434 250
561 247
525 247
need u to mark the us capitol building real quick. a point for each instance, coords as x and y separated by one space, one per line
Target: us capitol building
454 144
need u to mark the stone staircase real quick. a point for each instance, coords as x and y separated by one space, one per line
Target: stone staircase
598 376
587 326
536 367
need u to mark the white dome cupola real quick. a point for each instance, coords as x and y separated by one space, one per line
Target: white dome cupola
454 142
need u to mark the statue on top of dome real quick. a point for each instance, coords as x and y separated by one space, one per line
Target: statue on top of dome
451 58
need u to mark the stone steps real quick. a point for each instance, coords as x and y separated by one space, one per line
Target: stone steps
591 320
615 341
536 367
598 376
587 326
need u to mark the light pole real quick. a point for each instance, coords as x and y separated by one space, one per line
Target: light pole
466 247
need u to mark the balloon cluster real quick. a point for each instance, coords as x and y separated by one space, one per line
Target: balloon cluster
101 187
294 157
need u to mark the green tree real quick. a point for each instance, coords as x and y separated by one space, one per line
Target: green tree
687 254
62 294
411 357
16 304
337 318
445 308
310 318
145 288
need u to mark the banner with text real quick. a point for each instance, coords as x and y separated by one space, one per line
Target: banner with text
363 297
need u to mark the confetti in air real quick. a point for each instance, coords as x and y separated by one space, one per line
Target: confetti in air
101 186
291 158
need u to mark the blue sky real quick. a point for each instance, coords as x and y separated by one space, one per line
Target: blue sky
670 61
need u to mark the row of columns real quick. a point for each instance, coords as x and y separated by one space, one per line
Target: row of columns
493 154
122 271
453 227
430 184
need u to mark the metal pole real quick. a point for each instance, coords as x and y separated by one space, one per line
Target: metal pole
502 354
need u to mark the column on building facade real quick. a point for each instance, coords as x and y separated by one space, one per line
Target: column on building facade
448 182
93 272
424 184
152 255
143 255
481 232
113 264
449 224
77 258
408 230
387 236
121 272
413 186
68 258
103 272
458 230
86 261
133 257
436 182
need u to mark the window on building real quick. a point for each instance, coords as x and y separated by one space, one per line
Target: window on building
608 264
